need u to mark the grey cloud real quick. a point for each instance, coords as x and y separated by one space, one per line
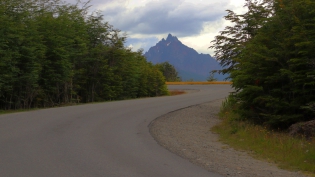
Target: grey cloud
144 43
94 2
161 17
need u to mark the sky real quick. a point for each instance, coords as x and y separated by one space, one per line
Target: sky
194 22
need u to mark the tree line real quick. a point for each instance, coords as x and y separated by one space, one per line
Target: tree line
53 53
269 53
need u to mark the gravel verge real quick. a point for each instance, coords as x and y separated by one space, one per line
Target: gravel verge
186 132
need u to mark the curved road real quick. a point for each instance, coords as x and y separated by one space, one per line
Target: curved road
97 140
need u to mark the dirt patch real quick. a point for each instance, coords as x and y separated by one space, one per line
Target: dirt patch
186 132
176 92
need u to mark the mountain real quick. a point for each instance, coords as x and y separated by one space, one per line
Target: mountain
187 61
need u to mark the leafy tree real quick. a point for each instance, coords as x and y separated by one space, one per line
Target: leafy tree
156 82
169 72
53 53
232 40
20 53
270 69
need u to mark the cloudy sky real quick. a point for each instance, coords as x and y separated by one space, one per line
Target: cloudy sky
194 22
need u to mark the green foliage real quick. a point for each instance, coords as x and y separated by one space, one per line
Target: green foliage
52 53
229 44
169 72
270 69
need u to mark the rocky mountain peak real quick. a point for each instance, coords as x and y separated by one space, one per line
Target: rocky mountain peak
187 61
170 41
171 38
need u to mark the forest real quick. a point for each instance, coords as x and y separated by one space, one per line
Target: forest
53 53
269 54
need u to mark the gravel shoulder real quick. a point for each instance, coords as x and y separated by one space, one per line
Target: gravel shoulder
186 132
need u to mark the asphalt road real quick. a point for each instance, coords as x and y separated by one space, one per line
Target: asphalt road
98 140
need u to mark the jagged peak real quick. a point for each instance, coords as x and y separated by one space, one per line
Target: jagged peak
170 37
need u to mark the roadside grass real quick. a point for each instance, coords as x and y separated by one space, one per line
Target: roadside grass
15 111
197 83
171 93
10 111
291 153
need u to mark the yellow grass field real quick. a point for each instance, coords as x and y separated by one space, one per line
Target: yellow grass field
198 83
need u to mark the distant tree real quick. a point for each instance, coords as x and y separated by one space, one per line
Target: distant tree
169 72
211 77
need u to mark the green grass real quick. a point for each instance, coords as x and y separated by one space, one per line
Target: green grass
296 154
15 111
10 111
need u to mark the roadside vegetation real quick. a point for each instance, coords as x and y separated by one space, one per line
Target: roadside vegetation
53 54
268 53
198 83
292 153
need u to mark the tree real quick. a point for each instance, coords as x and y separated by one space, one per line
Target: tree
20 51
169 72
232 40
53 53
269 69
